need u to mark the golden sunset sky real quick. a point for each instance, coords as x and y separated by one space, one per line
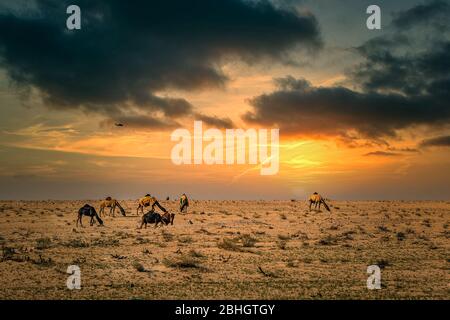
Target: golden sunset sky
363 114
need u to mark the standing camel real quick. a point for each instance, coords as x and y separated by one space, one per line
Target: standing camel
112 204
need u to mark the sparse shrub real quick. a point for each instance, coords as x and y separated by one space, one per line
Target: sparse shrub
229 244
282 216
291 264
184 262
44 262
43 243
8 253
307 260
427 223
401 236
347 235
141 240
328 240
138 266
77 243
196 254
185 239
282 244
167 236
383 263
105 242
248 240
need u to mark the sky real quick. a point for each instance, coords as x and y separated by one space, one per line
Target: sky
363 114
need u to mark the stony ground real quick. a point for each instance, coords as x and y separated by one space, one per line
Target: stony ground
228 250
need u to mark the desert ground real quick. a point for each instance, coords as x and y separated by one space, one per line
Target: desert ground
228 250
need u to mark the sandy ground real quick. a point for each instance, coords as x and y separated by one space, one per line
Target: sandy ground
228 250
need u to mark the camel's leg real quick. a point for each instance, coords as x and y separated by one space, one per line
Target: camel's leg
78 219
137 210
100 212
111 211
310 203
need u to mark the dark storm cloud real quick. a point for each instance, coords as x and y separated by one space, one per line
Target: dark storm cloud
399 85
432 12
443 141
127 52
214 121
336 110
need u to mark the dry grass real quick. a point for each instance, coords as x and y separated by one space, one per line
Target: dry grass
228 250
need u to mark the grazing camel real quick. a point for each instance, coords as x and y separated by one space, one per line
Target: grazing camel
156 218
317 199
89 211
112 204
148 201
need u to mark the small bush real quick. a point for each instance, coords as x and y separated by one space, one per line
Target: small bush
43 243
138 266
185 239
77 243
167 236
248 241
185 262
196 254
328 240
282 244
229 244
401 236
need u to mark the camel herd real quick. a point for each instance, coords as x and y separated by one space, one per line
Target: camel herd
147 201
154 217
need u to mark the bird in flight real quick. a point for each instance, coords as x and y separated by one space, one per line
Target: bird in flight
119 124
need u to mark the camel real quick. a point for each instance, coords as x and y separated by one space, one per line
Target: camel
317 199
89 211
112 204
156 218
184 203
148 201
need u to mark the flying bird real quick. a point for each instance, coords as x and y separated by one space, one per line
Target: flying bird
119 124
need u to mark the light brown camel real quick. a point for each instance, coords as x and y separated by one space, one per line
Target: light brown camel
317 199
112 204
148 201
